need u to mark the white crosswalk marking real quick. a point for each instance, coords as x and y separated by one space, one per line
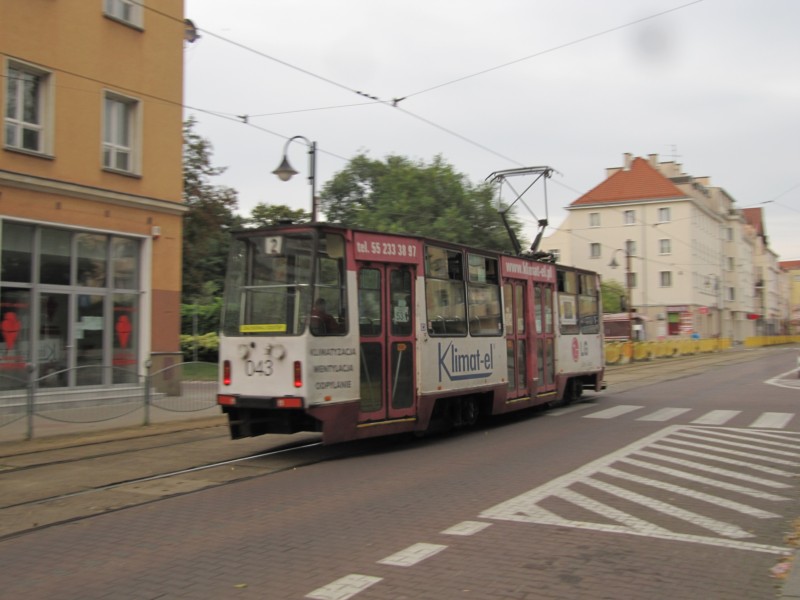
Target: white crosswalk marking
771 420
723 485
412 555
718 527
767 420
664 414
677 489
725 460
343 588
716 417
622 491
612 412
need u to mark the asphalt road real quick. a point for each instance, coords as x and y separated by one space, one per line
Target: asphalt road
680 480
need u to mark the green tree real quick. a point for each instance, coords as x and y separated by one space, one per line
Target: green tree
264 215
401 196
614 296
209 220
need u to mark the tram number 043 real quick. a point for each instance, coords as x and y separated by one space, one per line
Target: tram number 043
260 367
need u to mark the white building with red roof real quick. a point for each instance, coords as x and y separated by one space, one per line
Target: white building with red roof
681 248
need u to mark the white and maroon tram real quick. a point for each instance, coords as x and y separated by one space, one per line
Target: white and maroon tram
357 334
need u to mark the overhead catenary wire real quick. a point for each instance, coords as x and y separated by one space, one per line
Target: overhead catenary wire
394 102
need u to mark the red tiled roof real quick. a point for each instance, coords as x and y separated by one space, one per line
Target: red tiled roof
790 265
754 217
641 182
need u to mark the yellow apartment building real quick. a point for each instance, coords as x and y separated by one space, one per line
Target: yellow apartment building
90 189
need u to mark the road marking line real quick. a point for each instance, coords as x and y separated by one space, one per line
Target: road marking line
612 412
525 508
771 420
689 493
629 521
412 555
716 449
709 469
725 460
776 381
723 444
718 527
344 588
664 414
557 412
466 528
760 441
716 417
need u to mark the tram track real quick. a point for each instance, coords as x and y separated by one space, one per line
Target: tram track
45 487
119 484
58 481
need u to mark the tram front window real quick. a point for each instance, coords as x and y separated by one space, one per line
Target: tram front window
268 286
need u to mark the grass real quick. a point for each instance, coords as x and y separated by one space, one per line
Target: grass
200 371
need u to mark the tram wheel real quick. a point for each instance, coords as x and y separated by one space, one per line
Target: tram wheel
468 413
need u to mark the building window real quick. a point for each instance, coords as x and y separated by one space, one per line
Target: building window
594 250
119 133
729 234
127 11
629 217
731 294
665 246
630 248
27 105
663 215
69 299
630 280
666 278
594 219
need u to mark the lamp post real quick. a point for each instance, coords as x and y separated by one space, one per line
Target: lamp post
285 171
717 293
628 283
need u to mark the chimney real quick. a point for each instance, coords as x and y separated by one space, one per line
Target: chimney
628 159
653 158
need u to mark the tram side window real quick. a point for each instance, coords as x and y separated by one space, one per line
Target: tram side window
444 291
567 282
484 297
369 302
328 314
589 304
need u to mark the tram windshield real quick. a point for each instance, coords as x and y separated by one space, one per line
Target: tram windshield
269 287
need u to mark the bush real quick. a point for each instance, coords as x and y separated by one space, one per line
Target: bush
207 316
207 347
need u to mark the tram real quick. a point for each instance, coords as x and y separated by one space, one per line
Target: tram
357 334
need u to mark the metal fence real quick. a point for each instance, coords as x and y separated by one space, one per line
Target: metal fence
80 398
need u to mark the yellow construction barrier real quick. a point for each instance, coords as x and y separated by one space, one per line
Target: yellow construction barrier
620 353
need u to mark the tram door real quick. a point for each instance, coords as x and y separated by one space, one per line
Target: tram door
514 293
386 326
544 336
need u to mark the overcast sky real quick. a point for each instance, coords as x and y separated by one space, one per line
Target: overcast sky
573 84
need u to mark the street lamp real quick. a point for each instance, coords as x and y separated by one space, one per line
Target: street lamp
717 295
628 283
285 171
